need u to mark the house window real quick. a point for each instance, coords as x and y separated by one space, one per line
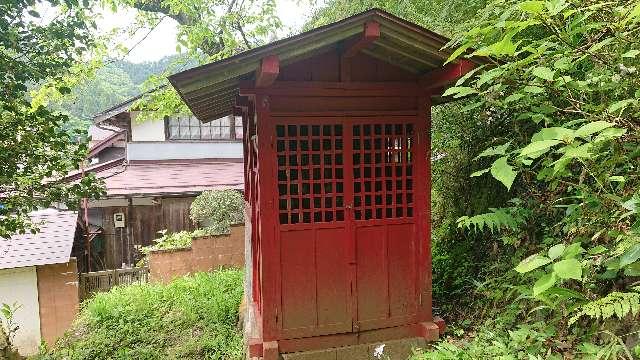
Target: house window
190 128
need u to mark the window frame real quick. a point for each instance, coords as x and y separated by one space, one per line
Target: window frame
234 124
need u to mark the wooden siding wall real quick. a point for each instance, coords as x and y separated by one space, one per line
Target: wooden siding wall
327 67
142 225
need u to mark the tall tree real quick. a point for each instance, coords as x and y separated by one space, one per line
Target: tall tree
35 150
208 30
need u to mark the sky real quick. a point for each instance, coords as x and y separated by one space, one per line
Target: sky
162 40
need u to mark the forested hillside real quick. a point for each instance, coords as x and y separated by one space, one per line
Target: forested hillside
115 82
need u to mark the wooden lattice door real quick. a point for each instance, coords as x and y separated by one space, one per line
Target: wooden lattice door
347 234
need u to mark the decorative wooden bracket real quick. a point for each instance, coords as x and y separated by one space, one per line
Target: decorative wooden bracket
371 34
268 71
446 75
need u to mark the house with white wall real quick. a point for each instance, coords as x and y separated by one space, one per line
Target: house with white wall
163 165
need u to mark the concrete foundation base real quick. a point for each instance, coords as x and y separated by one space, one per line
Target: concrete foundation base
394 349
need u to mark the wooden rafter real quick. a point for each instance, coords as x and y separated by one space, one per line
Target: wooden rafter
371 34
446 75
268 71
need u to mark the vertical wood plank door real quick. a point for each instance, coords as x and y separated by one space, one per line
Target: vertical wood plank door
386 222
313 190
348 234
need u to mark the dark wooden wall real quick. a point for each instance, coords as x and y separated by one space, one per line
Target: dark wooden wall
143 222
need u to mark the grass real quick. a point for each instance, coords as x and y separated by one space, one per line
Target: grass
193 317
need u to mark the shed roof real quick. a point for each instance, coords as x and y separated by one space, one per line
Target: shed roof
52 245
210 90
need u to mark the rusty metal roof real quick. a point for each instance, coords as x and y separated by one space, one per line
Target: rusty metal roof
52 245
210 90
172 177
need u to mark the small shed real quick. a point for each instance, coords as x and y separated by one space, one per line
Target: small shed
38 274
337 178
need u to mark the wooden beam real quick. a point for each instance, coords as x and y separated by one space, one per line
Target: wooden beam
371 33
268 71
446 75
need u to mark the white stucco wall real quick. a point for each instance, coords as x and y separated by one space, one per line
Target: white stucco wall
21 286
151 130
184 150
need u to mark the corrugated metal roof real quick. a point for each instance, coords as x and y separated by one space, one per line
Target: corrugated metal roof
149 178
52 245
210 90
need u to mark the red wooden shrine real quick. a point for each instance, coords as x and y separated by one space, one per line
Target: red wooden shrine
337 158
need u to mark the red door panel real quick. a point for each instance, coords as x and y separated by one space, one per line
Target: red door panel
372 270
333 280
312 191
384 219
401 250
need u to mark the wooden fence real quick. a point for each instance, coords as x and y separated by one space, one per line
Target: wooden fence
100 281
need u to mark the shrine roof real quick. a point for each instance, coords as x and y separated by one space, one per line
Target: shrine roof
210 90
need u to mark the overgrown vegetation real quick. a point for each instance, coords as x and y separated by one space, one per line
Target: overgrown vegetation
178 240
194 317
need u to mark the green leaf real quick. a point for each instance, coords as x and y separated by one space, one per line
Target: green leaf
533 89
537 148
544 283
568 269
621 105
532 7
461 49
592 128
610 133
480 172
33 13
544 72
573 250
495 150
564 63
459 91
631 53
514 97
554 133
597 250
616 178
630 256
503 172
556 251
531 263
556 6
632 269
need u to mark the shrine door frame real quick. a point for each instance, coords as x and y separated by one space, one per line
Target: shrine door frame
349 299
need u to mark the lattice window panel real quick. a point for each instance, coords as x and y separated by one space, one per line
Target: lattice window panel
383 171
310 173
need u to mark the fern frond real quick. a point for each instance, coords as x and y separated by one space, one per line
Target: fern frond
615 303
496 219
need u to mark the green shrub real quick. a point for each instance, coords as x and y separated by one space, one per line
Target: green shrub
179 240
193 317
218 209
